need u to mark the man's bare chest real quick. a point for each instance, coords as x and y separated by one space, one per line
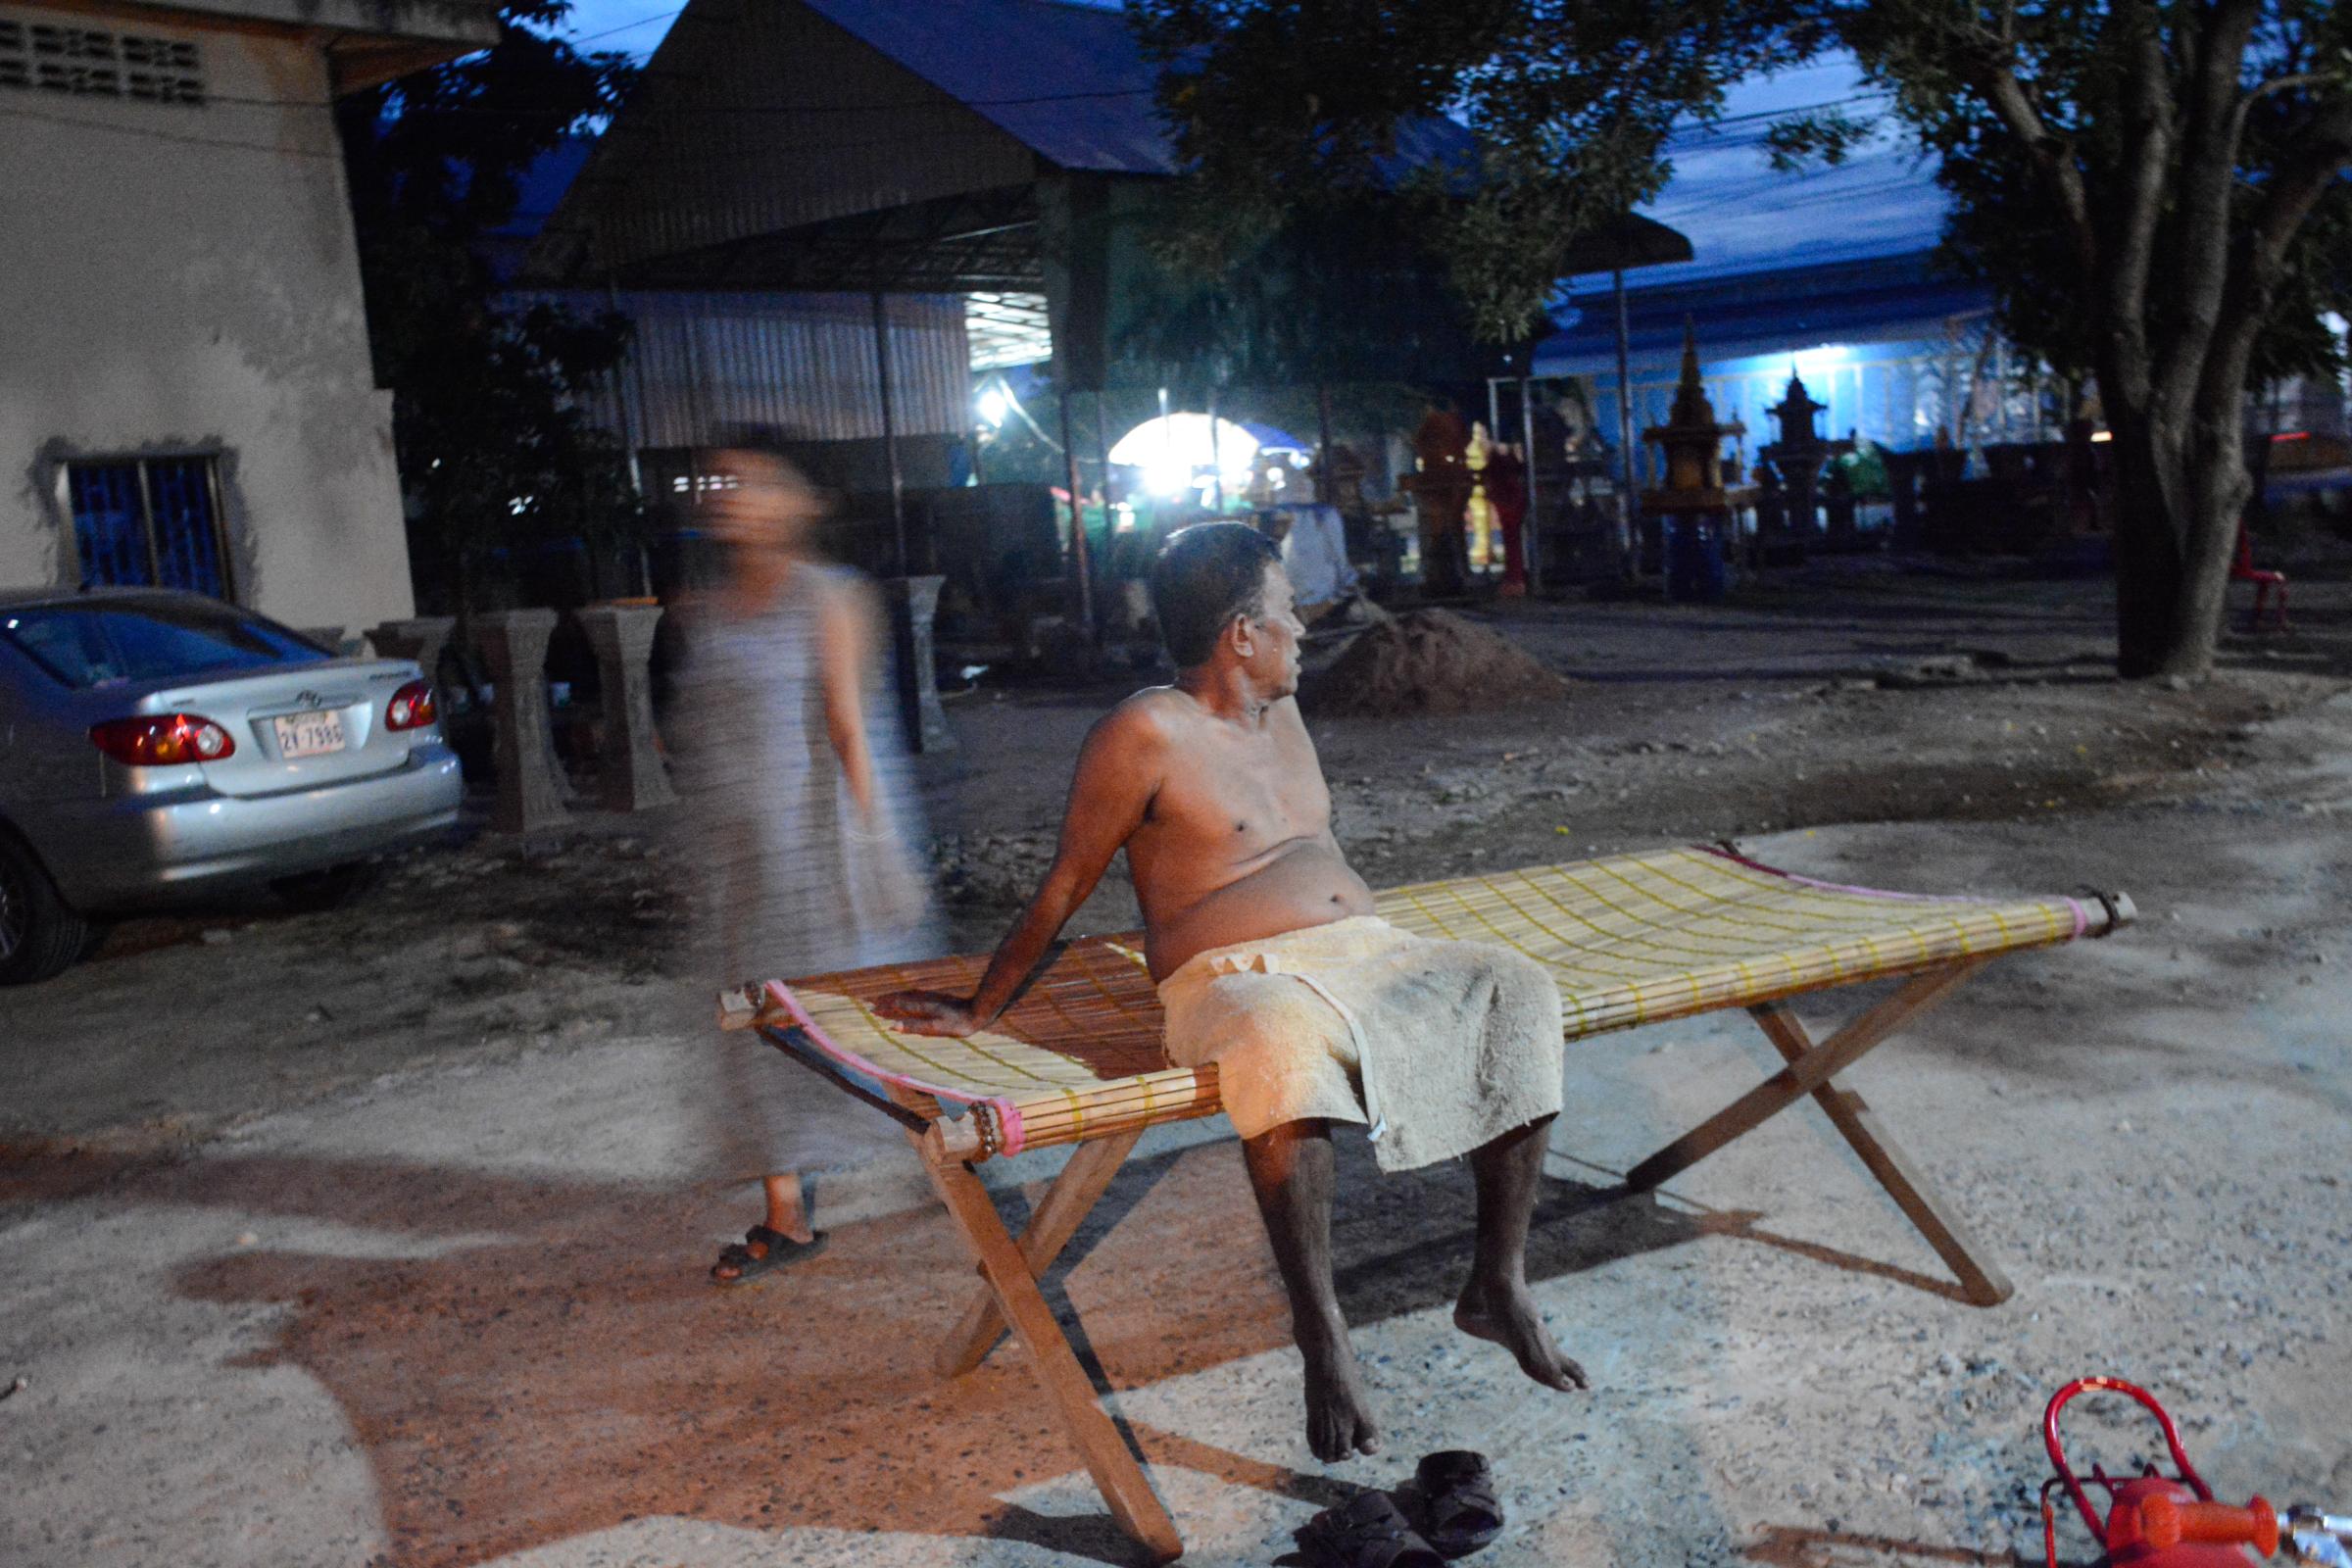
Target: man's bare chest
1243 796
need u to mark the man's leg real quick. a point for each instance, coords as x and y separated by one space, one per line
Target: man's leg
1291 1171
1496 1305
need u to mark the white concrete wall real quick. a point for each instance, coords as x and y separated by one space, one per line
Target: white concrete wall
184 279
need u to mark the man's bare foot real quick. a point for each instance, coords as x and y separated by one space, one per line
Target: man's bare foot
1339 1419
1506 1316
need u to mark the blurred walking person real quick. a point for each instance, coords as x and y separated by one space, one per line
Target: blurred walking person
799 822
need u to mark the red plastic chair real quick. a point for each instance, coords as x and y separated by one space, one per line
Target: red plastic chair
2242 569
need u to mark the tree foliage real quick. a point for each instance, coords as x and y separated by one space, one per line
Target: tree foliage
1284 107
2156 192
493 446
2157 195
2134 171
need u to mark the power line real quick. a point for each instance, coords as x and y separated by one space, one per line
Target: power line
1873 95
943 101
657 15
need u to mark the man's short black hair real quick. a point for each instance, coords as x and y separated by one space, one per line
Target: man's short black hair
1205 575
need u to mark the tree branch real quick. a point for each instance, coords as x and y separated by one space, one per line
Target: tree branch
2301 79
2147 163
2323 153
2208 174
2009 100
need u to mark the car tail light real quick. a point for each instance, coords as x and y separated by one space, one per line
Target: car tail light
412 706
163 739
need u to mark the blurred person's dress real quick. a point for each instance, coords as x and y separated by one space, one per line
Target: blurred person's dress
786 878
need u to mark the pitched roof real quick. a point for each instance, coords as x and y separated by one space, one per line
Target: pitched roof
1065 79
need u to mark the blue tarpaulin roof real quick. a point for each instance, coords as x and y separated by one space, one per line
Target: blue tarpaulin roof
1896 299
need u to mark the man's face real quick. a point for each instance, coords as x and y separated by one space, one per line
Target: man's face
1274 634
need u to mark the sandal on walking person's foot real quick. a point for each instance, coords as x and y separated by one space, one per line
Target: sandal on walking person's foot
1459 1513
749 1265
1365 1532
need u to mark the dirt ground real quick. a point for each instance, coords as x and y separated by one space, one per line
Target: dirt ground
377 1236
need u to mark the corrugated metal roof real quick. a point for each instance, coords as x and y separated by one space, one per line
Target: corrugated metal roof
1065 79
696 363
759 117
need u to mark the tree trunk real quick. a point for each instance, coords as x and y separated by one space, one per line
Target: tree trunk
2180 486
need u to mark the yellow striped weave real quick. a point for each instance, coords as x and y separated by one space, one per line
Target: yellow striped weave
1633 938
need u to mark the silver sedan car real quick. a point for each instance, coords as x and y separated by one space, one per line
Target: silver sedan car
157 745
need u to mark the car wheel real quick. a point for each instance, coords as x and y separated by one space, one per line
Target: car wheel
39 935
315 892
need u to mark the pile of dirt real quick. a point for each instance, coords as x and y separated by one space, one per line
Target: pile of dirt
1430 661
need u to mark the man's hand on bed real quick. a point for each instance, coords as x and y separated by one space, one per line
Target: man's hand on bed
930 1012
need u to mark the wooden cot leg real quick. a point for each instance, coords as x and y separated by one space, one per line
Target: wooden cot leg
1801 1077
1066 1206
1983 1284
1118 1476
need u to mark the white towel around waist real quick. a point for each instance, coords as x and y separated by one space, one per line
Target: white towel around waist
1439 1047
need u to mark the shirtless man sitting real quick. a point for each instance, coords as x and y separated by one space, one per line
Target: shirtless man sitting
1271 963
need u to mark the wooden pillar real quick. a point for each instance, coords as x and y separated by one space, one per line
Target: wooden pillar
890 436
1629 513
1532 534
1326 490
1081 559
1102 454
1217 458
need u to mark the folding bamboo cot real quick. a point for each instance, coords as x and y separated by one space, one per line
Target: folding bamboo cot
1633 938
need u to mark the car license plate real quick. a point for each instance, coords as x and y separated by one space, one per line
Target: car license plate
308 734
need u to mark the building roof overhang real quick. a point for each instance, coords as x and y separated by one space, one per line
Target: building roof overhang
366 41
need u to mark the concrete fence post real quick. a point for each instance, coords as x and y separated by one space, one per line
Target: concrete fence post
629 772
422 639
913 601
530 790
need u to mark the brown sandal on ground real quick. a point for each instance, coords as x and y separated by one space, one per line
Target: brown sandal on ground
1365 1532
749 1265
1459 1511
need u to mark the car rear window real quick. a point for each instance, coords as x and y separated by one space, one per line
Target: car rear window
109 643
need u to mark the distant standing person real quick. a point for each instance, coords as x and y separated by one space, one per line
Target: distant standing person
800 832
1505 480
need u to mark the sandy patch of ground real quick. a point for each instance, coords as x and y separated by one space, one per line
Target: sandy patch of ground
420 1283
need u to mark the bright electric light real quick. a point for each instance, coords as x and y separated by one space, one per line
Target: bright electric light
1172 451
1813 364
994 404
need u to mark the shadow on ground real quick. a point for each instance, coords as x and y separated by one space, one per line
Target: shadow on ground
1788 1547
582 1372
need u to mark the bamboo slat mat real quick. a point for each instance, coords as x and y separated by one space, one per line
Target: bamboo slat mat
1632 939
